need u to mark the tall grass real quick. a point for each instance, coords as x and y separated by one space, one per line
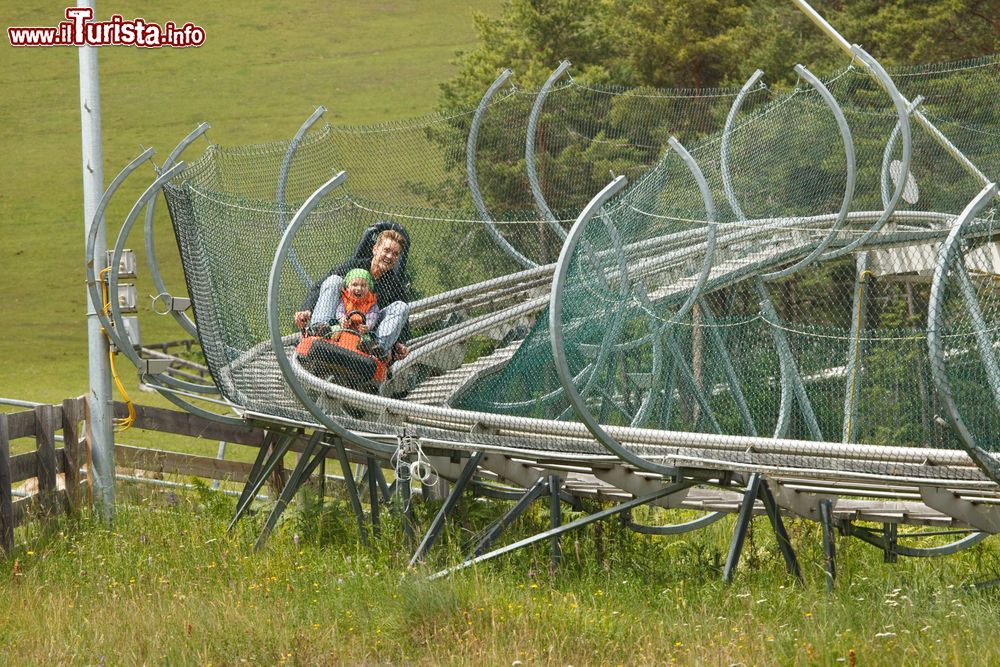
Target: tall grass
166 584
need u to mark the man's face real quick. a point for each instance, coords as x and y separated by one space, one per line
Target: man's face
385 254
358 288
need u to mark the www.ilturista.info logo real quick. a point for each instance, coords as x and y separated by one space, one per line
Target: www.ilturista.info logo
79 29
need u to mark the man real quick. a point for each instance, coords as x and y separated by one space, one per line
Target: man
391 293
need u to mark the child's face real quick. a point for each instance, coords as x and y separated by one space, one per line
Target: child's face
358 287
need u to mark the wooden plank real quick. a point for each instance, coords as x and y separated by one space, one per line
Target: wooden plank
157 460
182 423
6 497
23 466
45 446
73 451
20 425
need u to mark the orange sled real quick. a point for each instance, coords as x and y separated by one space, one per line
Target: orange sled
341 358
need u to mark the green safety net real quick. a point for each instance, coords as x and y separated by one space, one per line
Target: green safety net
673 319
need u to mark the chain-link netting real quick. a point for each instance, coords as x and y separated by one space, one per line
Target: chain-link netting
729 292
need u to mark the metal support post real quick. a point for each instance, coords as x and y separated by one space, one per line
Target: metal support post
306 464
100 399
352 489
890 533
742 525
262 469
784 543
555 519
534 492
829 543
566 527
383 487
849 433
449 504
373 491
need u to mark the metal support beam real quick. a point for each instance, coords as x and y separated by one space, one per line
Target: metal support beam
742 525
373 492
555 519
263 466
784 543
306 464
757 488
829 543
352 489
852 390
572 525
449 504
534 492
890 534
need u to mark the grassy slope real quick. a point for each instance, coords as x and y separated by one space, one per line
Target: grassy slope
261 72
169 586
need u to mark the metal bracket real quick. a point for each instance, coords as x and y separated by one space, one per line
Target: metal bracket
153 366
981 516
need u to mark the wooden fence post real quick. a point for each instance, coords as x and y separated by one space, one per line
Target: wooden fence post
6 497
45 445
72 415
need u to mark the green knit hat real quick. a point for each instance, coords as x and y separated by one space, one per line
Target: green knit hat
359 273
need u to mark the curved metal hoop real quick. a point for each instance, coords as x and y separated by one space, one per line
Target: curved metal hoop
848 141
181 318
950 249
470 170
274 326
116 316
93 284
529 150
96 297
286 166
558 343
903 113
706 196
727 181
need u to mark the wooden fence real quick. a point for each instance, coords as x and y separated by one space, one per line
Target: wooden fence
62 487
44 463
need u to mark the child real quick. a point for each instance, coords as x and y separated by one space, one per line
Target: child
357 297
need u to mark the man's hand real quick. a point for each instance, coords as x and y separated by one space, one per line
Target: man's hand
302 318
400 351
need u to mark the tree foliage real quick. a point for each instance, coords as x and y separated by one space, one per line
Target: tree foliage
683 44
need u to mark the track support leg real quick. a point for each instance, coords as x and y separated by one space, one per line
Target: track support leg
264 464
352 490
757 488
890 531
306 465
829 543
555 519
740 530
572 525
784 543
534 492
449 504
373 493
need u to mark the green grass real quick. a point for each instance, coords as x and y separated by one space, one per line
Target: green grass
263 69
167 585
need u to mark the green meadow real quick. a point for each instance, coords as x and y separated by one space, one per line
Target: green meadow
264 67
